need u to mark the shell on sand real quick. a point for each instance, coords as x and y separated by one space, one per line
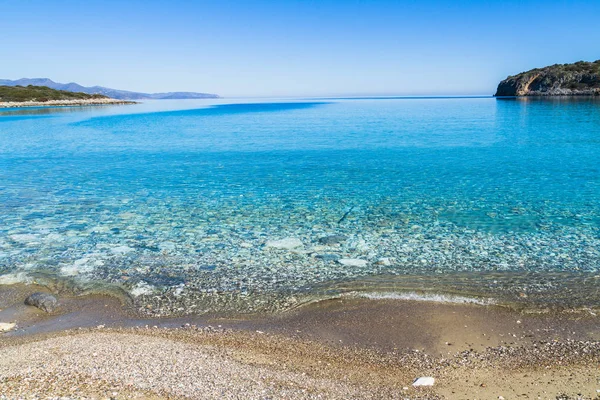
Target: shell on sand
7 326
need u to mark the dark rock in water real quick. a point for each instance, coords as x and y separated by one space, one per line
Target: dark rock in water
578 79
333 239
43 301
328 257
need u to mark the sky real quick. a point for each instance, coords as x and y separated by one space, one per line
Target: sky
293 47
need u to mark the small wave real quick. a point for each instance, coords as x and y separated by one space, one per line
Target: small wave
429 297
13 279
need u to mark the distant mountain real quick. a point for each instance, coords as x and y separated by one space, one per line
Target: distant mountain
578 79
112 93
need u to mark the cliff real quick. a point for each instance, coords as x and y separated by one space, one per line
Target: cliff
578 79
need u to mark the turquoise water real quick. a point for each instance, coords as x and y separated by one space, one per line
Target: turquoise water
178 203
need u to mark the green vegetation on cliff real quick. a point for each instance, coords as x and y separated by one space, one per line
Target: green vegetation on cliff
579 79
41 94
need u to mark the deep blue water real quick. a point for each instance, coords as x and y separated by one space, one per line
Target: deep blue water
474 195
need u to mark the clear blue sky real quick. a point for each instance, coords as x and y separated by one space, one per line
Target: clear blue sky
293 47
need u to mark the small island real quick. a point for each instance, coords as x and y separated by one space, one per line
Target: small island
579 79
37 96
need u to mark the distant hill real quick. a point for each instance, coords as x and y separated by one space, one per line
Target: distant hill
41 94
112 93
579 79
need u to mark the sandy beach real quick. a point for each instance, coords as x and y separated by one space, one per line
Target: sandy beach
91 347
347 200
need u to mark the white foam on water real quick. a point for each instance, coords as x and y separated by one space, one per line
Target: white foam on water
12 279
142 288
429 297
81 266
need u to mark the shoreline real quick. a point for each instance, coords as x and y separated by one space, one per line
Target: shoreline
532 293
342 348
380 317
65 103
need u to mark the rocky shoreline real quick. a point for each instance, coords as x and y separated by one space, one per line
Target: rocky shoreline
578 79
64 103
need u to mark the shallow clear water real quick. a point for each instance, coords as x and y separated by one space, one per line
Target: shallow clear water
176 202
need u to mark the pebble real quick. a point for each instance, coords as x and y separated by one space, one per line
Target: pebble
424 381
7 326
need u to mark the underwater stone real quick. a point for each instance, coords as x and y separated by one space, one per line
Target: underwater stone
43 301
333 239
353 262
328 257
386 261
167 246
24 238
286 244
121 250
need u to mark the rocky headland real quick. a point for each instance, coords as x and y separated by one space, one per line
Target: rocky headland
579 79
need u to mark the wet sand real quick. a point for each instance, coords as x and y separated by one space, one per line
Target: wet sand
342 348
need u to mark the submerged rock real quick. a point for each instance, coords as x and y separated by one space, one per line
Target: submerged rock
424 381
24 238
385 261
286 244
43 301
333 239
328 257
121 250
353 262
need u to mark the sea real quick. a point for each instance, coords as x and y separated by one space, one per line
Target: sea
245 206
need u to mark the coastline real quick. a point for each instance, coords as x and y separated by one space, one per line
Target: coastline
341 348
64 103
238 300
